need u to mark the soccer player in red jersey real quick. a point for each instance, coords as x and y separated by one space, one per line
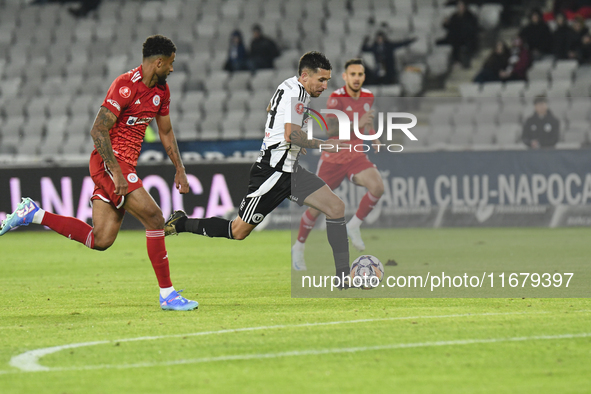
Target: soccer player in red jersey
333 168
133 100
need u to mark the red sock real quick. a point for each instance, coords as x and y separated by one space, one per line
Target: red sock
366 205
306 225
158 256
69 227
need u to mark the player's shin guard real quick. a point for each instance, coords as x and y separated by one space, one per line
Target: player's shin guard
367 203
306 225
210 227
69 227
158 256
337 238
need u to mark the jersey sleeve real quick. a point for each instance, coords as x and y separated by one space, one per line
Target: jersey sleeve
165 105
119 96
294 110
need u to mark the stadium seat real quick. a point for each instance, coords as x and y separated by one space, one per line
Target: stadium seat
559 88
238 100
191 102
461 135
507 135
215 103
564 69
469 91
484 135
216 81
439 135
15 107
535 88
239 80
210 128
491 89
489 16
513 89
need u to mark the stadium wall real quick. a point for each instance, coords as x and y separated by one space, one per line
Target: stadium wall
548 188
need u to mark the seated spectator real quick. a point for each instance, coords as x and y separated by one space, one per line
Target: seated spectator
462 34
537 35
563 38
237 56
519 62
263 50
541 130
496 62
571 8
383 49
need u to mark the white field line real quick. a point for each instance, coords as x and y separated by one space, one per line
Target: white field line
29 361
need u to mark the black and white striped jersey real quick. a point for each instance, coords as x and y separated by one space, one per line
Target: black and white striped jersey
288 105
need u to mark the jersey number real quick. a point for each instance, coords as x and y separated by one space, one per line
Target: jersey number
274 105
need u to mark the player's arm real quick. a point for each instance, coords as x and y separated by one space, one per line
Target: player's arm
333 126
295 135
103 123
172 149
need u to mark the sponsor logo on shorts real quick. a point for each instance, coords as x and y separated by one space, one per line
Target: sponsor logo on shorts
125 92
132 178
156 100
114 104
257 218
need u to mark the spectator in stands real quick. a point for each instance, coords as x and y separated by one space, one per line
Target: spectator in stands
563 38
462 34
496 62
580 47
384 72
263 50
237 55
537 35
519 62
572 8
85 7
541 130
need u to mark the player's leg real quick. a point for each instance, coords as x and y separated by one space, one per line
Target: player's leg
370 179
333 207
28 212
107 222
142 206
332 174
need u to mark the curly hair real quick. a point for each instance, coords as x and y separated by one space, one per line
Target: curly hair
313 61
158 45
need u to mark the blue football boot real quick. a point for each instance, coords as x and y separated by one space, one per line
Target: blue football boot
176 302
23 216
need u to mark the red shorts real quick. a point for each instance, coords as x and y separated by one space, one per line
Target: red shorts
104 188
334 173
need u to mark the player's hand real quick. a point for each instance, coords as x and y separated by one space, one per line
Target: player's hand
121 184
181 182
367 119
334 145
535 144
303 151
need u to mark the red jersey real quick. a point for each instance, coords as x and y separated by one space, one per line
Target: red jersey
340 99
135 105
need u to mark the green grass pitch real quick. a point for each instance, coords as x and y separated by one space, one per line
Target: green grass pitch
250 336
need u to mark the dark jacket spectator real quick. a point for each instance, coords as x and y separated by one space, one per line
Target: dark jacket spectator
519 62
542 129
563 38
462 34
237 55
263 50
383 49
496 62
537 35
579 48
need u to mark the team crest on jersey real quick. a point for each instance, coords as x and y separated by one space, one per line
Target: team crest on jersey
132 178
333 102
156 100
124 91
299 108
366 107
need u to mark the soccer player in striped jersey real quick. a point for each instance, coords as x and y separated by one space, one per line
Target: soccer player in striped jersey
276 174
133 100
333 168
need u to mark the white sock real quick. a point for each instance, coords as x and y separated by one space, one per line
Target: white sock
355 222
299 245
38 217
166 291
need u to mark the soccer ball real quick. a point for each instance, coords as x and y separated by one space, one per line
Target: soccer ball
367 272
